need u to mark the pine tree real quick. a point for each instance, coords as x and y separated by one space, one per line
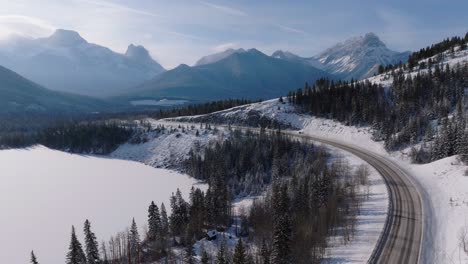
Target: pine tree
75 253
33 258
189 255
265 253
222 256
205 259
164 221
134 241
282 241
92 251
239 253
154 222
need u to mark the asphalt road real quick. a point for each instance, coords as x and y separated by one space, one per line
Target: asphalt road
401 239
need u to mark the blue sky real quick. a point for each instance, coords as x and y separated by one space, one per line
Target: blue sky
181 31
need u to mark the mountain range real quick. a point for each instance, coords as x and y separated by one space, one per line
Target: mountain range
66 62
20 95
241 74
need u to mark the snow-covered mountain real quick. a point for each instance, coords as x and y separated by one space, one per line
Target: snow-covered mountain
357 57
217 56
65 61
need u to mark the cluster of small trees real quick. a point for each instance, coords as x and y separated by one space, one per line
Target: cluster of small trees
247 162
299 214
407 113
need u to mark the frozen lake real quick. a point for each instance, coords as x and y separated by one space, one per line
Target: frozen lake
44 192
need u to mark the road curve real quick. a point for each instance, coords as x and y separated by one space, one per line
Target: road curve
401 238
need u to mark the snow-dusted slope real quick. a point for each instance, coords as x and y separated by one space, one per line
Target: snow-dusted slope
217 56
169 147
358 57
457 58
65 61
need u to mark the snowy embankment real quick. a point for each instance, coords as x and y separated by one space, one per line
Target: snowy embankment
445 187
44 192
168 148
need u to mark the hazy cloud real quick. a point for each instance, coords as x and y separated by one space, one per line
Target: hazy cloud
225 46
24 26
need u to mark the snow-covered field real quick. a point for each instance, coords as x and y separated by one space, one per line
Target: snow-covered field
43 192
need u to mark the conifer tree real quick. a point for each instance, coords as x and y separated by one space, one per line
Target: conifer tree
265 252
75 253
33 258
91 245
154 222
189 254
222 254
134 241
205 259
164 221
239 253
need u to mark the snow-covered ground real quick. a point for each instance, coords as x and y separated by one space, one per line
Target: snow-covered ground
370 220
43 192
444 184
168 148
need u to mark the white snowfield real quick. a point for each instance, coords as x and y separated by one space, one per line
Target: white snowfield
444 183
44 192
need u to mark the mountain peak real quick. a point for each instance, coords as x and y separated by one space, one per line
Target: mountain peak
281 54
357 57
137 52
65 37
371 39
218 56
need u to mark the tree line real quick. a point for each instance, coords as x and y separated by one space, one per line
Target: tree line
425 107
438 48
100 137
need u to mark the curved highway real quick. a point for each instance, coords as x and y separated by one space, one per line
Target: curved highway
401 239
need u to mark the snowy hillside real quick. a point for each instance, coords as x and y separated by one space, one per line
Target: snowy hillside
169 147
459 57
